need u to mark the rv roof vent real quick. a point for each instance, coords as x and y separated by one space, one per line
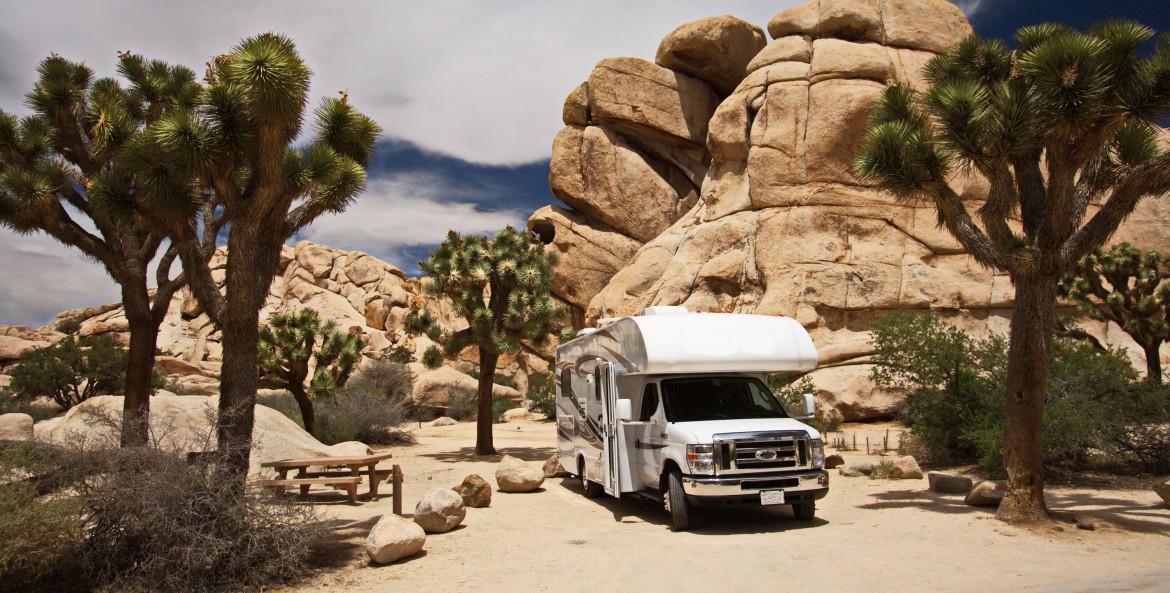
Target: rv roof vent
585 331
665 310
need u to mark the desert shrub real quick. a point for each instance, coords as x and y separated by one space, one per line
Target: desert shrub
541 396
1147 437
71 371
790 392
154 522
497 378
499 406
956 385
462 408
40 536
11 403
886 470
401 355
388 377
362 413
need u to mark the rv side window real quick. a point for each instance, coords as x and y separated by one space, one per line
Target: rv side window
649 402
567 383
597 384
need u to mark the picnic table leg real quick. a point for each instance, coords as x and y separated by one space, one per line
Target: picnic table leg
397 493
373 482
304 487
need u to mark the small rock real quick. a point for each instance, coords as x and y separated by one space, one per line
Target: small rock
475 492
988 493
16 427
514 475
439 511
1163 490
909 468
516 414
443 421
945 483
857 469
392 538
1086 524
834 461
553 469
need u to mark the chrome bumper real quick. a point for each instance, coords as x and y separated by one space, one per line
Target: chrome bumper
814 484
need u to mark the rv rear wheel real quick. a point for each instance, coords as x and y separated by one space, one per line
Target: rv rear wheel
804 511
676 503
592 489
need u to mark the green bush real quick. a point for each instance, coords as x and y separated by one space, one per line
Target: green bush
542 395
359 413
499 406
1096 404
71 371
401 355
462 408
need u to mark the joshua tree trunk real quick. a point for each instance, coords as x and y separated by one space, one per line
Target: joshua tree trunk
248 279
1153 364
1029 353
483 395
306 405
139 365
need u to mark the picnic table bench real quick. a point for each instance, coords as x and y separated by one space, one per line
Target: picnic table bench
344 473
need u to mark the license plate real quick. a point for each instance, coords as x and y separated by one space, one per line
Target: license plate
768 497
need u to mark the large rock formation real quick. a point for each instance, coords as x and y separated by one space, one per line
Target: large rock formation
781 225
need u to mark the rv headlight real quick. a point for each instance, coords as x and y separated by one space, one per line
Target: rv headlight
818 453
700 459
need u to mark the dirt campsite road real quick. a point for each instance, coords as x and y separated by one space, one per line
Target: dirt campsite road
872 536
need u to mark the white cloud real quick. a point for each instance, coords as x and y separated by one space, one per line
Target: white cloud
483 81
971 8
407 210
42 277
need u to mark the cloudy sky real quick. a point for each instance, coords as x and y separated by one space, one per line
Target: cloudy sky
469 94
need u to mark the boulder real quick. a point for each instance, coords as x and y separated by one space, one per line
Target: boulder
393 538
1163 490
908 467
552 468
513 475
834 461
716 50
439 511
443 421
988 493
16 427
1086 523
945 483
590 252
516 415
857 469
445 384
12 348
648 100
183 424
475 492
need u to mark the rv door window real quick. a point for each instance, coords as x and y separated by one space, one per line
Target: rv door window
567 383
649 402
693 399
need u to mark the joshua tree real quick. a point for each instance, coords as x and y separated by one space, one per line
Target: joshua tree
1129 288
1064 121
83 156
235 152
501 287
286 344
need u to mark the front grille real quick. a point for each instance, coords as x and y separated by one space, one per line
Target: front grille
759 452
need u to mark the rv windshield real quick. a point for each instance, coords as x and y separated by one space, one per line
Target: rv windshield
694 399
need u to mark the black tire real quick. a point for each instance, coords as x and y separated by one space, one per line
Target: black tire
804 511
676 503
592 489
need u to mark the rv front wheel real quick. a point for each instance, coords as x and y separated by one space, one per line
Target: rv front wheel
676 503
592 489
804 511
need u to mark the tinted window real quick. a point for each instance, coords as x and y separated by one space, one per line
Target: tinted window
718 398
649 402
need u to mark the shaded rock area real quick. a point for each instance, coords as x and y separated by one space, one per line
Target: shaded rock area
945 483
988 493
16 427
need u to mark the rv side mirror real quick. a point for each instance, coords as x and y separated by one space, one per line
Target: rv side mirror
808 406
624 410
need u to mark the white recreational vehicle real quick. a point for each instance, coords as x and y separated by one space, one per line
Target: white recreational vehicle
674 406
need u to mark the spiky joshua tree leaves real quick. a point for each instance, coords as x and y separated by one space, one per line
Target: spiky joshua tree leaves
234 155
1065 121
290 340
1129 287
500 285
79 170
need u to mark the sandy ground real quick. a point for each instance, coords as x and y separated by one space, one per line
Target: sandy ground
869 536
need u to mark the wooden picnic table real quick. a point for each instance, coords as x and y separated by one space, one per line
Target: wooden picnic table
355 466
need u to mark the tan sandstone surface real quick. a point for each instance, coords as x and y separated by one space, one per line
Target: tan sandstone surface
869 535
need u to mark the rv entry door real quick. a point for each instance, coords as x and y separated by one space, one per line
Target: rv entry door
607 383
